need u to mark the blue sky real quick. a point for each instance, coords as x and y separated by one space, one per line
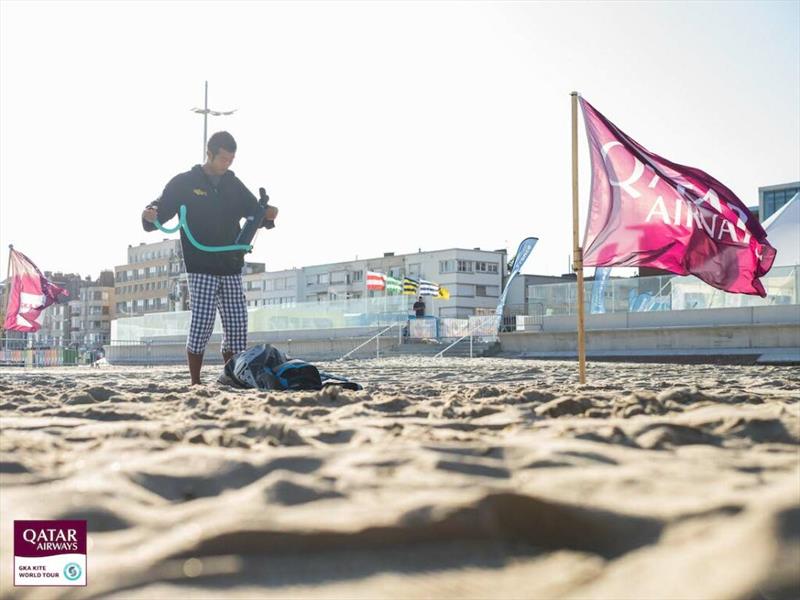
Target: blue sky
375 127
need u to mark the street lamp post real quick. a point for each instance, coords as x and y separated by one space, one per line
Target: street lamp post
205 111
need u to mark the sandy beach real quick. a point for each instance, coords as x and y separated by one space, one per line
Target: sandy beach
456 478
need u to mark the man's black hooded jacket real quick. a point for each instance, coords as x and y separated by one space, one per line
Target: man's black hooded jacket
212 214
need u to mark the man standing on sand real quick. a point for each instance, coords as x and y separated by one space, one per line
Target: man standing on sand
216 200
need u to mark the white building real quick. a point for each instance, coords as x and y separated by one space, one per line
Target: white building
273 288
91 315
474 279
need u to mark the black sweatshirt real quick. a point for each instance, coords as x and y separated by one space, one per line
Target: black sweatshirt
212 214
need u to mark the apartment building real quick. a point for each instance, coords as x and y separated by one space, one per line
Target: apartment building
272 288
72 282
84 318
91 314
153 280
474 279
56 319
56 326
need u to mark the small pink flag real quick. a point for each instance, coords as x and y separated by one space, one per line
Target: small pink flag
648 211
30 293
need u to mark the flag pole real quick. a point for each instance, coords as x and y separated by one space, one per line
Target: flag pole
577 250
6 292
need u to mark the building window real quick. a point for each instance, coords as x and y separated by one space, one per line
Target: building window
485 267
774 199
414 269
447 266
323 278
358 275
464 290
465 266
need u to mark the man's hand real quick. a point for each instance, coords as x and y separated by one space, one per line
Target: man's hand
272 212
150 214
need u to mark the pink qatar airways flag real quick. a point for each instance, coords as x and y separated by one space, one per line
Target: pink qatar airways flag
30 293
647 211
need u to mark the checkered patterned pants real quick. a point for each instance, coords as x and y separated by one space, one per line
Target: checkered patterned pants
207 294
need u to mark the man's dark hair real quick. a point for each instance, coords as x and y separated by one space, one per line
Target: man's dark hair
221 139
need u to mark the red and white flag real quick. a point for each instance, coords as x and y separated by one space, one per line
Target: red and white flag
29 294
376 281
648 211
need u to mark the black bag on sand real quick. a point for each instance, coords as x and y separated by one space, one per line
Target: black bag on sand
264 367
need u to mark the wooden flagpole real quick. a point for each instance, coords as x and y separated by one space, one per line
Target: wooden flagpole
577 260
6 292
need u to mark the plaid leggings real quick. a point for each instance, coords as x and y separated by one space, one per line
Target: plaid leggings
207 294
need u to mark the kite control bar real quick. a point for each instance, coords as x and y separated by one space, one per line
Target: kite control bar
250 228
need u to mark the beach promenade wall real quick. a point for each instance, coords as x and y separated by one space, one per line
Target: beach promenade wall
309 344
760 330
771 332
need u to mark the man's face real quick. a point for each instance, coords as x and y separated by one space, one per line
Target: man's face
220 162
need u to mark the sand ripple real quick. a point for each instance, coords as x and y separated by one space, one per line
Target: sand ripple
455 478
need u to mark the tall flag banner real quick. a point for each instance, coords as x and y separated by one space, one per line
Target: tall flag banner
29 294
601 275
428 288
444 293
648 211
376 281
410 286
393 285
523 252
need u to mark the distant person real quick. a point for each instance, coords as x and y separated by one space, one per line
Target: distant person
419 308
216 200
